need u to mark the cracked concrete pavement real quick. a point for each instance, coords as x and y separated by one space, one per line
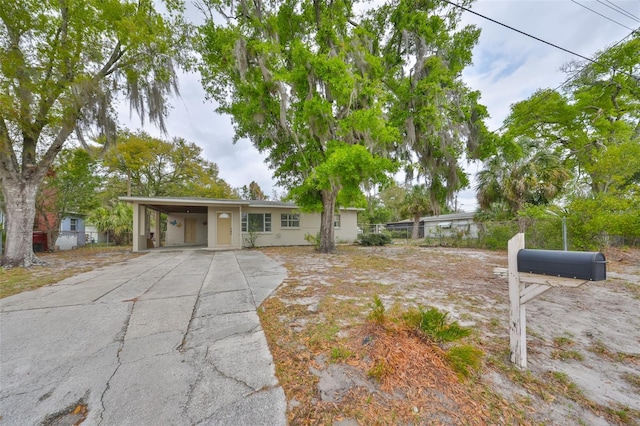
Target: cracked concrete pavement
168 338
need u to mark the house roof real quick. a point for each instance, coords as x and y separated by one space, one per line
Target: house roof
199 204
441 218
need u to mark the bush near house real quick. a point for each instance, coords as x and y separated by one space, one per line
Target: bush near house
374 239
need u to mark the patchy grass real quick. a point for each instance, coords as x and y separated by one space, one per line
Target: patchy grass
60 265
632 379
354 325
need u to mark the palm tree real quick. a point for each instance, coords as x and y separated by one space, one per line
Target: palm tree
117 221
417 203
531 175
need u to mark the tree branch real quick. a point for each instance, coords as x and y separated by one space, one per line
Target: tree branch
8 158
56 146
108 67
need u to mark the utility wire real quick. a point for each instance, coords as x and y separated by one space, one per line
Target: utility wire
621 10
541 40
604 16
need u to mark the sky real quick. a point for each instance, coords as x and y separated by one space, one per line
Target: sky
508 67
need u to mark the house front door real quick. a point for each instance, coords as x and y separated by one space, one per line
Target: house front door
223 226
190 230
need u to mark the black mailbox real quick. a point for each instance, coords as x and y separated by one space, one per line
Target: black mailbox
569 264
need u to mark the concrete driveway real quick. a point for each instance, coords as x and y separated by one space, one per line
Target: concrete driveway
169 338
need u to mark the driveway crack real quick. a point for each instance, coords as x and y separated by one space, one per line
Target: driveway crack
207 277
122 336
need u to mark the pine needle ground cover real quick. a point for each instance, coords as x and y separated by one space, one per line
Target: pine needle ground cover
345 333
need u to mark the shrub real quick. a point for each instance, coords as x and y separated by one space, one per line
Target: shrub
434 324
313 239
374 239
400 233
464 358
377 313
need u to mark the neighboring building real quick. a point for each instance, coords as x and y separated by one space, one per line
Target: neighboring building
445 225
72 233
93 235
228 224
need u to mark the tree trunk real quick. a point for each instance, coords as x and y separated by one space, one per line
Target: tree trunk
415 232
20 205
327 239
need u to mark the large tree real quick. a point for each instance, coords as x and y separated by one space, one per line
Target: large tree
63 64
303 81
592 121
142 165
425 50
520 174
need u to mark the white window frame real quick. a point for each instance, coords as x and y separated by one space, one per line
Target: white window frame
73 224
337 220
266 222
290 220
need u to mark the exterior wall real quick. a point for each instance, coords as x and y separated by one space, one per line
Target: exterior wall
434 229
207 232
309 224
68 239
348 231
212 219
94 236
175 229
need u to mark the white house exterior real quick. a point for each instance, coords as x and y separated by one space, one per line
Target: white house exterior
228 224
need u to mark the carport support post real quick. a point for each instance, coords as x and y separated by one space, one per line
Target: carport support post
517 321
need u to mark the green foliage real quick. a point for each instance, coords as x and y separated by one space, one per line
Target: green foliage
378 311
141 165
400 234
327 100
496 235
340 353
251 237
521 173
596 222
313 239
374 239
434 324
464 359
418 202
117 221
63 67
380 369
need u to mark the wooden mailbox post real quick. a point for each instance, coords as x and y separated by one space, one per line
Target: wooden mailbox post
532 272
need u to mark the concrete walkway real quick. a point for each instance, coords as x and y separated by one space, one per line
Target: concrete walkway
169 338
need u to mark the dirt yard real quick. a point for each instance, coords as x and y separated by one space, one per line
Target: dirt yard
583 343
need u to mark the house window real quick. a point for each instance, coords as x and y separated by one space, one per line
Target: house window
289 220
74 225
256 222
336 221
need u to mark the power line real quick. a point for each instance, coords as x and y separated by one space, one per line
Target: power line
621 10
541 40
600 14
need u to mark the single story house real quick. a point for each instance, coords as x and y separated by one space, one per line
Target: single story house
443 225
229 224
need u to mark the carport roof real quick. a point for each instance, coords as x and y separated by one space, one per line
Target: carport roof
199 204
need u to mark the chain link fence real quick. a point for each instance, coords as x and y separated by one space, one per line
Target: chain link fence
547 234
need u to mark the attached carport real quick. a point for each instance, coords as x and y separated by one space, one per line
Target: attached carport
190 221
